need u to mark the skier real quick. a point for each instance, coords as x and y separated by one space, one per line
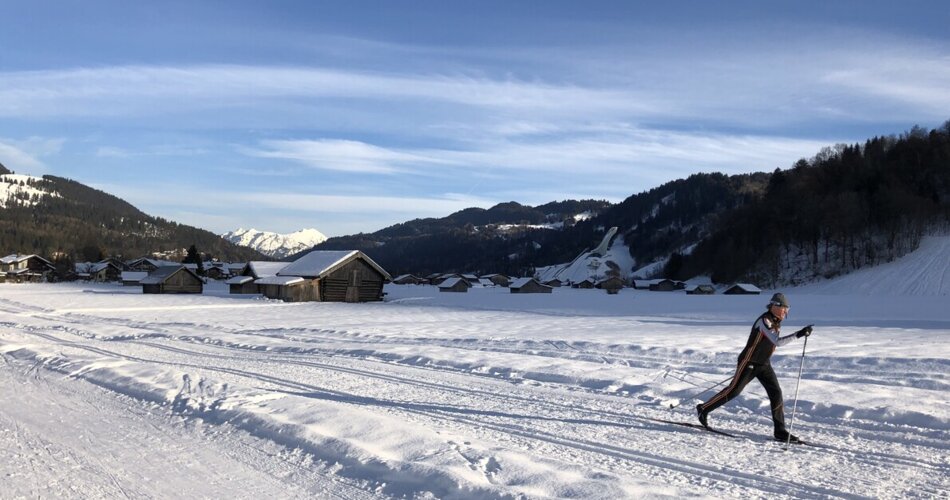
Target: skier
754 363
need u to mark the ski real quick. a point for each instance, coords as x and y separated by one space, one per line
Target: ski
697 426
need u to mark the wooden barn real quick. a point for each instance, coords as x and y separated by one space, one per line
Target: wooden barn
700 290
244 282
289 288
132 278
333 276
554 283
742 289
456 284
172 279
100 272
528 285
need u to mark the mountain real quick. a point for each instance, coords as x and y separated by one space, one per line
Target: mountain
274 244
63 219
849 207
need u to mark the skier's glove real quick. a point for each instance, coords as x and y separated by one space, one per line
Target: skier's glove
804 332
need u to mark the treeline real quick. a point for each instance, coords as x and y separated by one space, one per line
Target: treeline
851 206
84 222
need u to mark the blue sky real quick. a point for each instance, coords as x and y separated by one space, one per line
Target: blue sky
352 116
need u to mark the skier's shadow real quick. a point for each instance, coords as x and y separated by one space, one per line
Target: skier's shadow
433 407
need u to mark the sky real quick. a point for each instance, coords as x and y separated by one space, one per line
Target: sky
352 116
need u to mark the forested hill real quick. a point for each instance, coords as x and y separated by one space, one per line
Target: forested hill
851 206
60 216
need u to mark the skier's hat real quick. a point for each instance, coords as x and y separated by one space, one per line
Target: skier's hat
778 300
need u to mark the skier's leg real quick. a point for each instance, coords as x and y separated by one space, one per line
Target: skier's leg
768 379
745 372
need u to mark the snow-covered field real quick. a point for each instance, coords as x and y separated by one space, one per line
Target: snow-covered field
105 392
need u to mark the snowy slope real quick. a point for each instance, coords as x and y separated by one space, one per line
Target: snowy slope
274 244
593 267
12 192
107 392
926 271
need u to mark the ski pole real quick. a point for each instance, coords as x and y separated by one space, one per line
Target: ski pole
694 396
791 422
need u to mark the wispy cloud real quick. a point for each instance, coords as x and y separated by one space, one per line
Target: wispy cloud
343 155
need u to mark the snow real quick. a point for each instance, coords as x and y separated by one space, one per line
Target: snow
106 392
10 188
592 267
275 244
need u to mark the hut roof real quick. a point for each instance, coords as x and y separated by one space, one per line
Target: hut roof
133 275
747 287
279 280
451 282
16 258
239 280
263 269
319 263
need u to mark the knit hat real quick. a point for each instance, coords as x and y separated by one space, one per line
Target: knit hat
778 300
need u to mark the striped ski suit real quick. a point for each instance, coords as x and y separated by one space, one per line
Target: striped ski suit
754 363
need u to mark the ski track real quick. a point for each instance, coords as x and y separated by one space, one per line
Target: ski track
575 421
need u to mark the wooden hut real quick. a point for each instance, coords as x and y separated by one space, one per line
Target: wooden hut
289 288
457 284
586 283
742 289
172 279
554 283
528 285
334 276
105 271
700 290
664 285
132 278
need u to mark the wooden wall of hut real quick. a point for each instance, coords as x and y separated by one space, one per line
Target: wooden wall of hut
355 281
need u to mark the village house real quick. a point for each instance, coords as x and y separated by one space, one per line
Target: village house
172 279
30 267
528 285
666 285
104 271
331 276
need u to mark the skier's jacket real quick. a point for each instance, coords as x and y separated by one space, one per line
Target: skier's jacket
763 340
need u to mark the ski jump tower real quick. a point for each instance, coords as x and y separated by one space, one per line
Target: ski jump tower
604 244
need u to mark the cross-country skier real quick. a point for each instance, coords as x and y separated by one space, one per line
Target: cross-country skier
754 363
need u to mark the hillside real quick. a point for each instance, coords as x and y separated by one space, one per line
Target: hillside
54 216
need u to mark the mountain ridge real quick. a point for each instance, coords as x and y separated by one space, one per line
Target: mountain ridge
274 244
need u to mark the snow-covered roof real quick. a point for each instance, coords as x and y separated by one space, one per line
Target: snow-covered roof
520 282
239 280
133 275
319 263
15 258
748 287
159 275
263 269
451 282
279 280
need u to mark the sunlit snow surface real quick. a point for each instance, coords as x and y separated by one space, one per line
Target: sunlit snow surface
106 392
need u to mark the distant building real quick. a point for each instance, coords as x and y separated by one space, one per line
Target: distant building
528 285
498 279
554 283
407 279
132 278
457 284
700 290
666 285
172 279
742 289
586 283
244 282
25 267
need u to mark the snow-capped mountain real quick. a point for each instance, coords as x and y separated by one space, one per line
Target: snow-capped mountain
275 244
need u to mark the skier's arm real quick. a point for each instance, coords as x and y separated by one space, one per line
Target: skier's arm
766 328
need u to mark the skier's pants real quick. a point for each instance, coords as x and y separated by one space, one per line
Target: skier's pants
744 375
